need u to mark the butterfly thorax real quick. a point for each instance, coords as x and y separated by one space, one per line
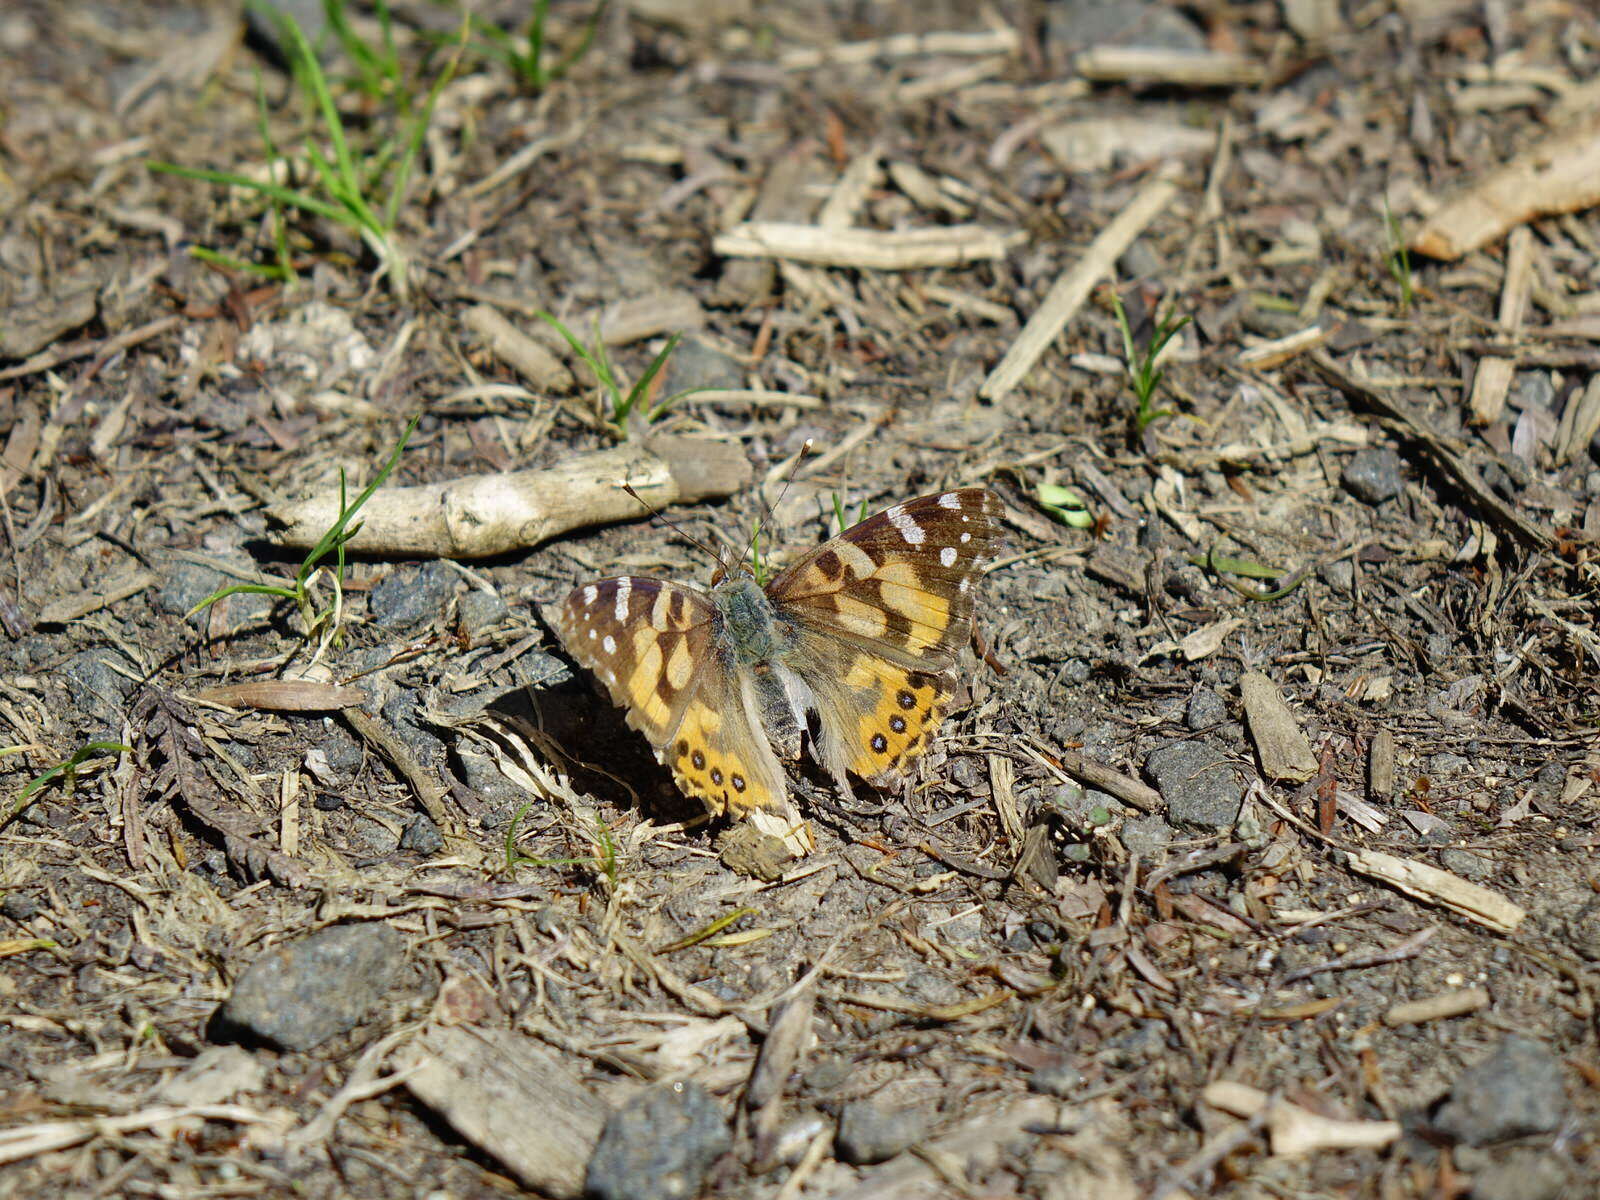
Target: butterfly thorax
750 630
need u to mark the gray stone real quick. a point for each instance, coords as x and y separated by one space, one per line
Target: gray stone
1339 575
870 1134
409 596
1205 709
698 364
98 690
1523 1174
1532 389
659 1146
1516 1091
1080 23
1146 836
1198 783
300 994
1373 476
1466 863
481 610
265 19
422 836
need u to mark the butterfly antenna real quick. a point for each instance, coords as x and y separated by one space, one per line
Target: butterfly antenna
678 529
755 533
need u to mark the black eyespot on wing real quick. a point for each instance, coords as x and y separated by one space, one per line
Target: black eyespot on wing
897 723
699 761
880 743
906 699
738 782
682 748
716 776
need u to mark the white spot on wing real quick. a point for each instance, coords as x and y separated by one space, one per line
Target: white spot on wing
949 500
592 633
610 644
908 527
965 538
591 594
947 556
965 585
624 589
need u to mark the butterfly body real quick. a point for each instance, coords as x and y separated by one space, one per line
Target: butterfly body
849 653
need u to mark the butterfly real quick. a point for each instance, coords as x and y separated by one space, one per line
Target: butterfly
849 652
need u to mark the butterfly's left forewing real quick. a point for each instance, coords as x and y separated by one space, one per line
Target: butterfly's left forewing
650 643
883 608
646 640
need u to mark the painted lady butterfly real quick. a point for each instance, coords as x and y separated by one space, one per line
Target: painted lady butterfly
851 650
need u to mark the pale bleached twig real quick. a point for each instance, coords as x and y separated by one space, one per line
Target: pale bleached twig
867 249
1068 293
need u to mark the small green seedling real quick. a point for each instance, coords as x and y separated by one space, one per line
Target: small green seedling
605 860
527 60
1399 257
840 523
624 400
66 772
348 190
1224 567
324 625
1143 373
1065 505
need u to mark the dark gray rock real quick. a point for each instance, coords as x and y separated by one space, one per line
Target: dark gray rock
1075 24
659 1145
1205 709
98 690
185 584
1339 575
300 994
1523 1174
1199 784
1532 389
698 364
1373 476
1516 1091
1146 836
1058 1079
20 906
1466 863
480 610
410 596
870 1134
422 836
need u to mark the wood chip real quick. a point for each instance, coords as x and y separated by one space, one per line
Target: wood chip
512 1099
1282 747
867 249
1181 68
284 695
1491 383
1381 765
71 608
1434 886
480 515
522 353
1437 1008
1558 174
1580 421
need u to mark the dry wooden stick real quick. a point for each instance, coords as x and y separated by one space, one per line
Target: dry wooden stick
481 515
1492 380
867 249
1182 68
1559 173
1068 293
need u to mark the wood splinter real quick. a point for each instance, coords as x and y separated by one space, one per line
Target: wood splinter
481 515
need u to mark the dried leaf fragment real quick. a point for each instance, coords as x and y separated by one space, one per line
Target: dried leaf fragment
1284 751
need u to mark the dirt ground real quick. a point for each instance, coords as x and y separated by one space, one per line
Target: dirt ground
1257 857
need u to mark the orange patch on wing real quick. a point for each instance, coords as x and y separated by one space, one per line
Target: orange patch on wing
903 592
904 715
718 779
